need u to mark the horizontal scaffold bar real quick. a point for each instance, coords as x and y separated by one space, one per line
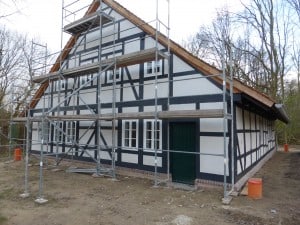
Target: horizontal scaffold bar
120 61
203 113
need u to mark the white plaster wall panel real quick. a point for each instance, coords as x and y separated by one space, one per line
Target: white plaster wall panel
241 142
59 149
55 100
132 45
88 96
211 105
212 164
248 142
247 119
134 72
87 123
180 65
128 29
128 94
36 147
248 161
239 168
150 43
107 135
129 158
43 101
90 54
130 109
254 140
151 108
211 125
106 94
239 118
85 135
35 137
92 44
85 112
149 161
105 155
149 90
109 34
182 107
44 147
252 121
182 86
72 101
88 153
212 145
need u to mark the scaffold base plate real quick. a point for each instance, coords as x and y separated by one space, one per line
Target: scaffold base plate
41 200
24 195
226 200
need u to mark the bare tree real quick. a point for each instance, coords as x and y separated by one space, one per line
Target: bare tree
8 8
18 63
268 20
296 6
11 60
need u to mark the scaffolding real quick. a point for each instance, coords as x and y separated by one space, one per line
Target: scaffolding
52 119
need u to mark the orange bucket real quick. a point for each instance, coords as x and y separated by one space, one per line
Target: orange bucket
286 147
255 188
18 154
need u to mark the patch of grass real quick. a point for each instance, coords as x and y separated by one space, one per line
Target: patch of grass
3 219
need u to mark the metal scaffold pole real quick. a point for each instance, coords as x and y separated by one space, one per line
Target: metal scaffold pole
28 129
99 87
40 199
224 122
113 154
155 98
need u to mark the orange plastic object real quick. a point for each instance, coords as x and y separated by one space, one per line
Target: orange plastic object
255 188
18 154
286 147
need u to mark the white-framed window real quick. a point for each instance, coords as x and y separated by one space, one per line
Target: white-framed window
70 131
150 68
58 134
151 135
130 134
110 75
85 79
62 84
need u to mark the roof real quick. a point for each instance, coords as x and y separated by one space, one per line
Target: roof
194 61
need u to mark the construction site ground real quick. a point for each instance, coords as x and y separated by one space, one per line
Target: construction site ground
77 199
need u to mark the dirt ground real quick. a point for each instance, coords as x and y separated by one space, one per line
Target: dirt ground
77 199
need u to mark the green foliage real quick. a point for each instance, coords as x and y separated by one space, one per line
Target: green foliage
3 219
290 133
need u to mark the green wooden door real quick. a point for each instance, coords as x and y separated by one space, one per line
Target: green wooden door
183 139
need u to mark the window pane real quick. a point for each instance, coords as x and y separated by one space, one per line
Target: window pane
149 67
133 125
148 125
127 125
148 134
126 143
148 143
126 134
133 134
133 143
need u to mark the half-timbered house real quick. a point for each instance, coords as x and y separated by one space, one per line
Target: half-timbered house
125 96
